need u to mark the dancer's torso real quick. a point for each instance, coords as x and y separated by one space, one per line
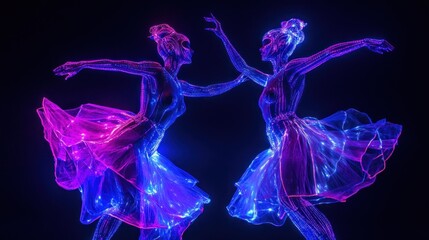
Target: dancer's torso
279 100
161 99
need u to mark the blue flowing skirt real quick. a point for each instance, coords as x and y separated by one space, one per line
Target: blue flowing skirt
320 161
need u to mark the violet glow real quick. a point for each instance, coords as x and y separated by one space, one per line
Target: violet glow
111 155
310 161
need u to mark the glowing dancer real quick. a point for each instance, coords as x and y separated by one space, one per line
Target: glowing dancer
310 161
111 154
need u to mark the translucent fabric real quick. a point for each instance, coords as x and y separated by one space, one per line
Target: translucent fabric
320 161
111 156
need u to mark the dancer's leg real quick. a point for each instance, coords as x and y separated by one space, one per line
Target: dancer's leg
106 227
310 221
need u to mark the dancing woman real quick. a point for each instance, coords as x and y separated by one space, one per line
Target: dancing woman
111 154
310 161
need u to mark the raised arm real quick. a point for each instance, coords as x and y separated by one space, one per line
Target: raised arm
69 69
304 65
238 62
190 90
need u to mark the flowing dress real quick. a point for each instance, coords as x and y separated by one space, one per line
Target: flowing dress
111 156
317 161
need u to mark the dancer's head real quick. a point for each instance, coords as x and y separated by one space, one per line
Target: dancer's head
282 40
171 44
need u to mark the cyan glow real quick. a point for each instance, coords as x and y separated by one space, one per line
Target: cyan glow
111 155
310 161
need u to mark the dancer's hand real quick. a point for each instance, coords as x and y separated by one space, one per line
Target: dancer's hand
68 69
378 45
218 28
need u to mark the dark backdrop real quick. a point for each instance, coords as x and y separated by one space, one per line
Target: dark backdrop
217 138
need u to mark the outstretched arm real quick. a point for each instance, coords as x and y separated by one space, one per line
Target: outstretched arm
70 69
304 65
190 90
238 62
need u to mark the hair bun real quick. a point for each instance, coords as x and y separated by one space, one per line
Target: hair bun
294 23
294 27
160 31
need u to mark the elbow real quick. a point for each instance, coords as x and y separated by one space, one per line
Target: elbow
245 71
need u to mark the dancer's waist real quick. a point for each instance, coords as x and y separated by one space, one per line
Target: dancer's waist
282 117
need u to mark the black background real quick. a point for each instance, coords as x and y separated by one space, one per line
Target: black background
216 139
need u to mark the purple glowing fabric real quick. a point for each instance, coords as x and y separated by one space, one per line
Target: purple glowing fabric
310 161
111 155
